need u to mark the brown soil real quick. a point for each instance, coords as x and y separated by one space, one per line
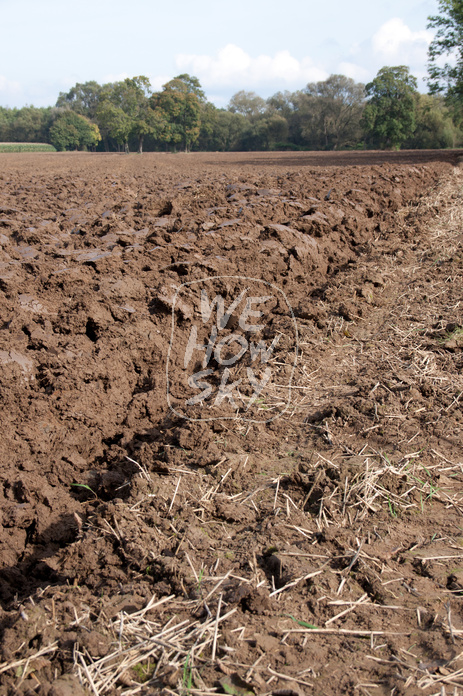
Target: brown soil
315 547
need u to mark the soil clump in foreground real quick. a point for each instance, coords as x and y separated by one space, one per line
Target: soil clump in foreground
313 548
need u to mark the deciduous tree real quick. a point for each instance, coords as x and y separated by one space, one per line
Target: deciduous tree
389 116
113 123
435 127
333 108
26 125
125 110
71 131
179 106
448 41
248 104
83 98
132 96
221 130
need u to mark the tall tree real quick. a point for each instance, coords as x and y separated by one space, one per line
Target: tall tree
132 96
448 41
435 127
389 116
28 124
125 110
333 109
113 123
71 131
248 104
282 103
263 133
192 85
296 108
83 98
221 130
265 125
5 120
179 106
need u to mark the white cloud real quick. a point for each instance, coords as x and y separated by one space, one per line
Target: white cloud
9 90
232 66
396 43
354 71
111 77
158 81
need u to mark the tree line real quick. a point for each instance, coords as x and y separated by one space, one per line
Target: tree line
334 114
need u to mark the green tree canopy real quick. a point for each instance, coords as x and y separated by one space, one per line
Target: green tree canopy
26 125
448 41
221 130
113 122
71 131
131 96
125 110
5 120
192 85
295 107
263 124
282 103
333 110
336 113
248 104
179 107
435 127
83 98
389 115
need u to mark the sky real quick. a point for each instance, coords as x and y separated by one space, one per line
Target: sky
264 46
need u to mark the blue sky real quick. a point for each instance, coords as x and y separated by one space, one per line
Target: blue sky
258 45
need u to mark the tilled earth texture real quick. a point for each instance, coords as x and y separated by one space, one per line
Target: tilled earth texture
231 426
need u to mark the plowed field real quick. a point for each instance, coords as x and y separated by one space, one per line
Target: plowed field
231 453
